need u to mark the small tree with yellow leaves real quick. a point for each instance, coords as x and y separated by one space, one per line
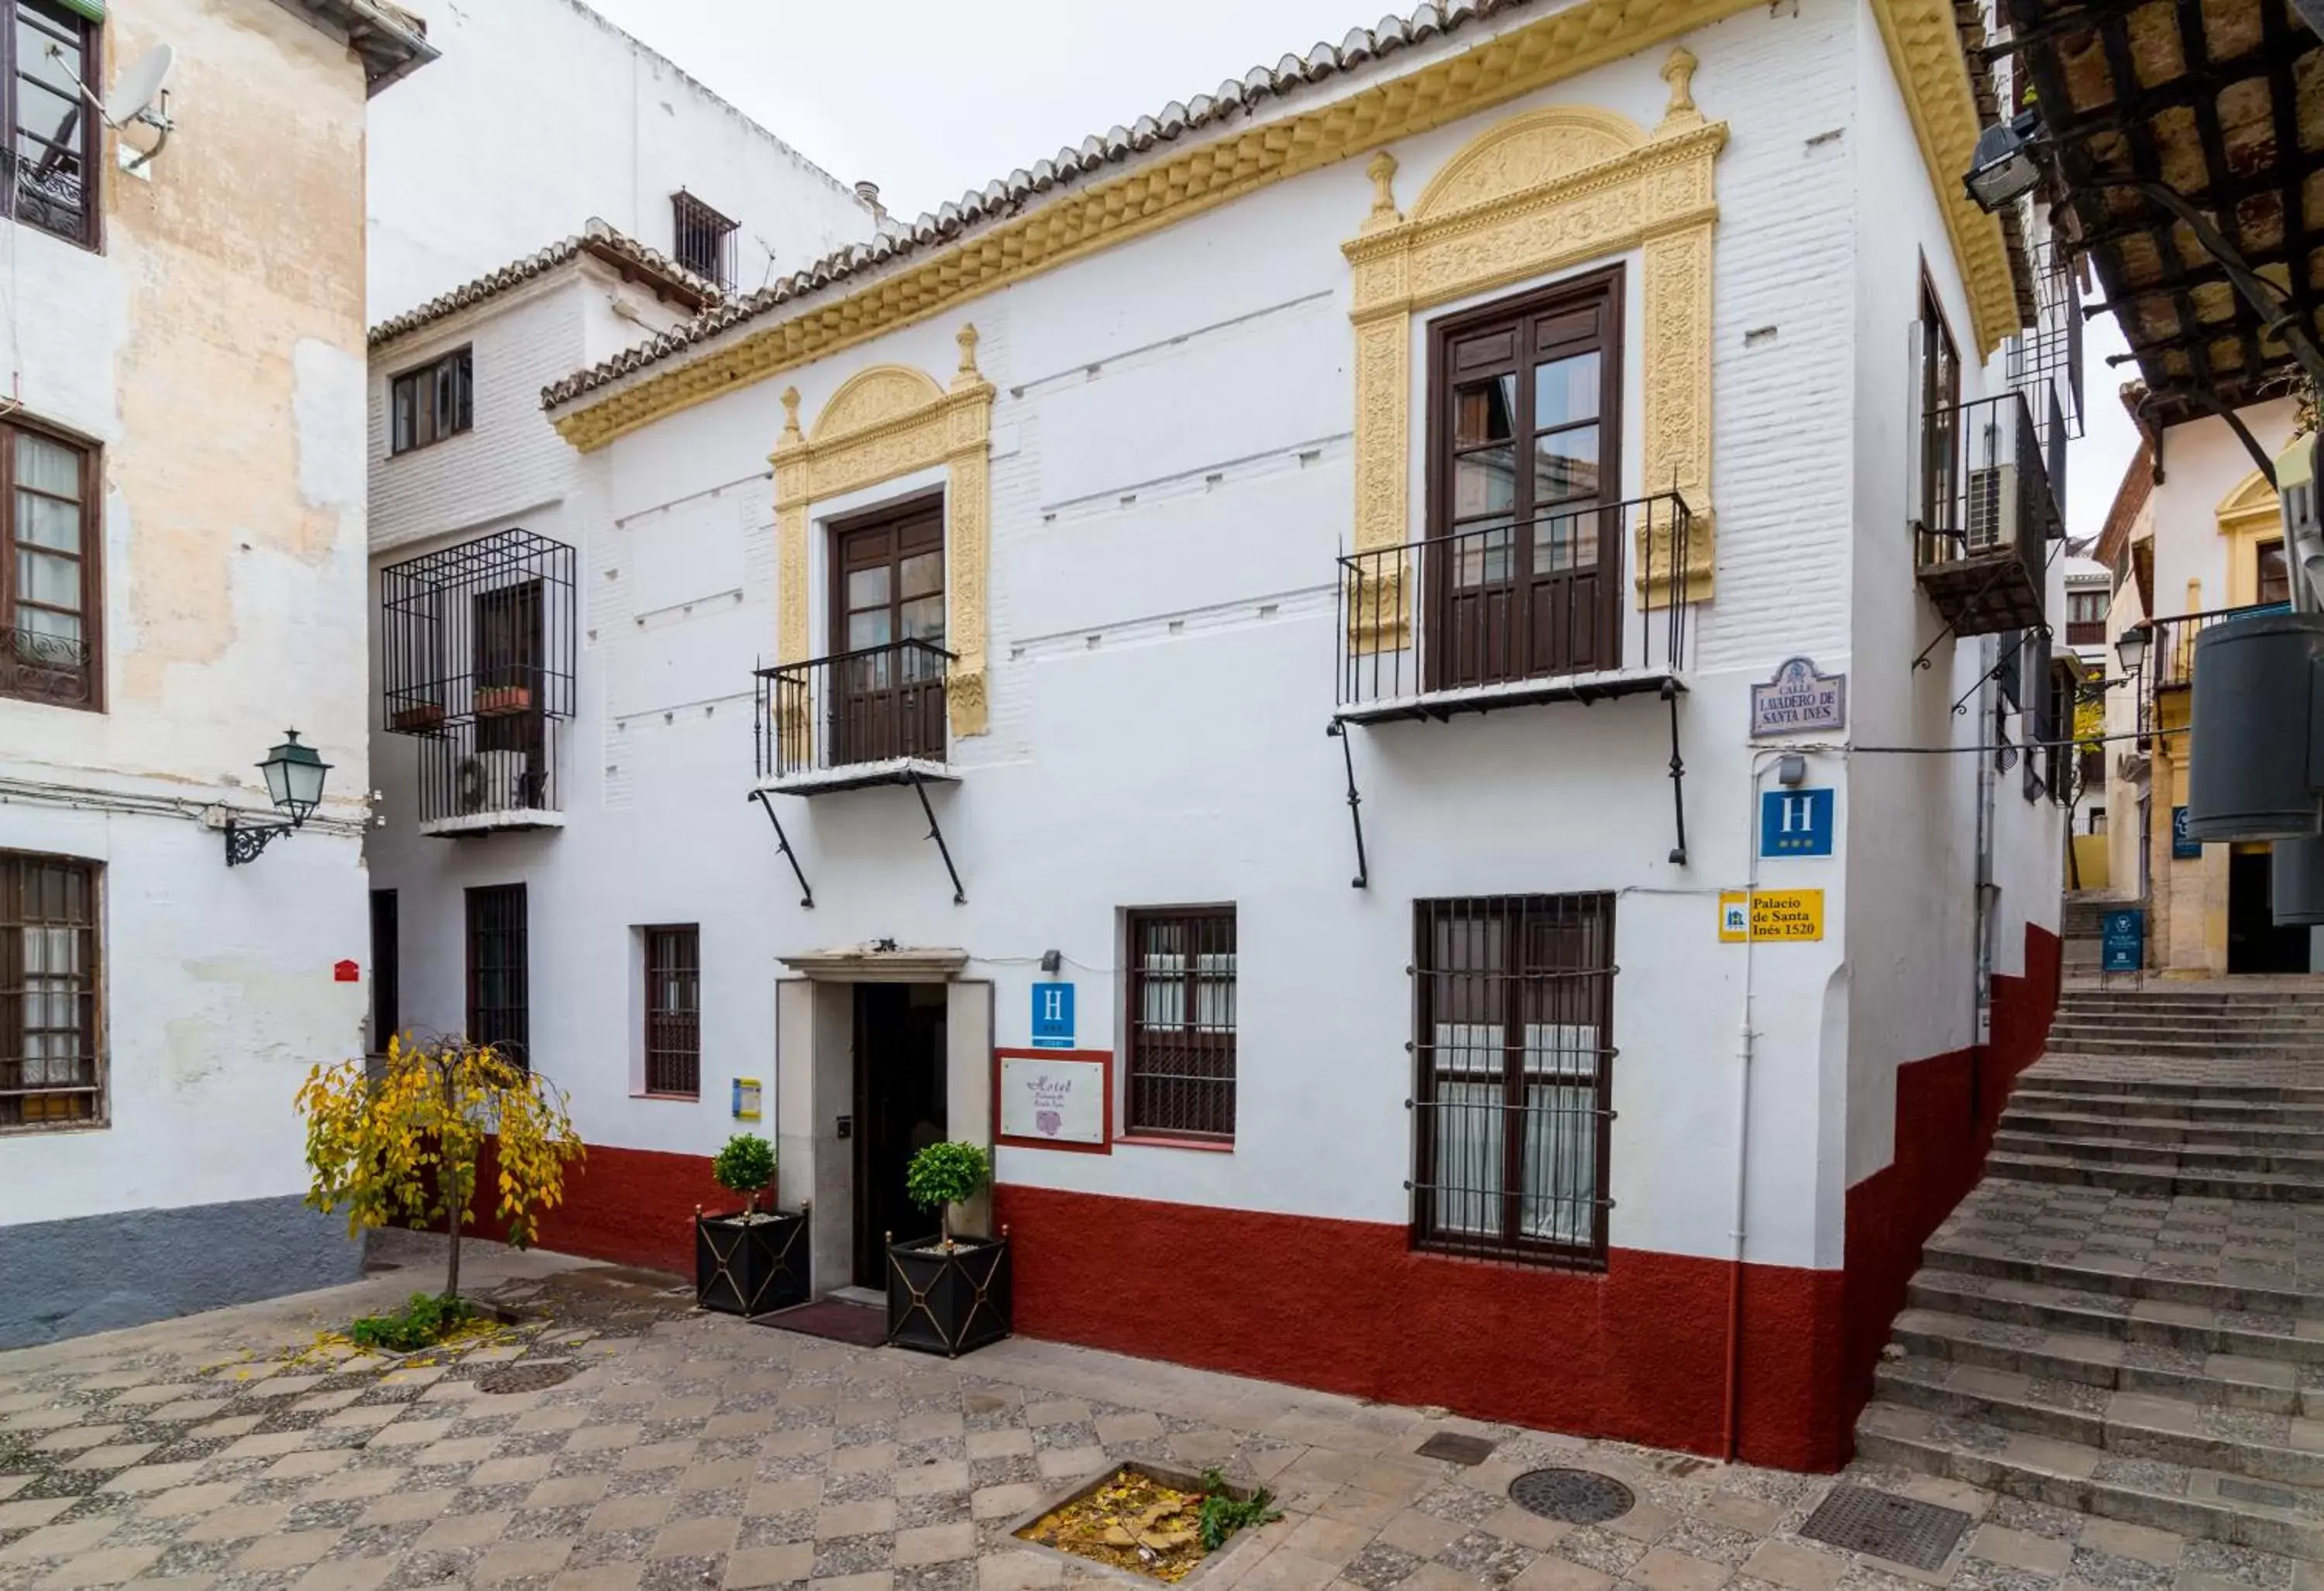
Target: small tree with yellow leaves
401 1141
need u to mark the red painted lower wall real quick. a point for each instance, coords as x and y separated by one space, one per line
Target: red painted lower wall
1638 1352
634 1207
1947 1108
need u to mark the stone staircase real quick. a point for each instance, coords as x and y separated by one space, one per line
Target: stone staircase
2082 925
2127 1316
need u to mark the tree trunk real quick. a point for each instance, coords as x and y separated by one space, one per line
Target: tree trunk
456 1195
943 1224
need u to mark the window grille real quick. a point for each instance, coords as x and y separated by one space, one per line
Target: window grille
50 1070
1512 1103
1181 1063
499 1000
674 1010
703 240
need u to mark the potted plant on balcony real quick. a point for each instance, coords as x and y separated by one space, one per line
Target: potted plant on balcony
416 718
750 1261
503 700
948 1294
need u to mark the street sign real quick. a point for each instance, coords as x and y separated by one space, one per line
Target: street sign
1799 700
1053 1016
1795 823
1773 914
2123 940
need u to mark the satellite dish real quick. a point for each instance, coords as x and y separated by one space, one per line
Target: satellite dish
139 84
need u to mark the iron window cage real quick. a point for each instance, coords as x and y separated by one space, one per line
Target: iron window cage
2046 358
673 1033
1179 1068
433 401
51 1064
1513 1077
483 630
702 240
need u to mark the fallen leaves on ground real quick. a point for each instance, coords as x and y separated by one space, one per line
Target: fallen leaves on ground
1131 1522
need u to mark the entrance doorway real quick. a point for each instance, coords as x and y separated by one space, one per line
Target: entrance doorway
900 1109
2254 944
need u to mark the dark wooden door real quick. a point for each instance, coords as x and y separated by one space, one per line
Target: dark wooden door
886 700
2254 943
510 694
1526 571
1940 379
900 1109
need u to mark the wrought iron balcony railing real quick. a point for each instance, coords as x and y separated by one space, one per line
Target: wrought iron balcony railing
1520 610
44 667
498 772
2170 654
874 708
1985 514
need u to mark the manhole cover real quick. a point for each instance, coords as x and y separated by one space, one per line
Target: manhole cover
1903 1529
537 1376
1454 1447
1575 1496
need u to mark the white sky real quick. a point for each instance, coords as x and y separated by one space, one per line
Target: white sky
930 99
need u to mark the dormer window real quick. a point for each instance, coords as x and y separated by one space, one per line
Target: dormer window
703 239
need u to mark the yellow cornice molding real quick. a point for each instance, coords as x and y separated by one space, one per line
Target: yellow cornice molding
883 423
1160 192
1925 52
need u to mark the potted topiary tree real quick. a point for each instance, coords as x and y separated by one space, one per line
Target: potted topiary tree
948 1294
749 1261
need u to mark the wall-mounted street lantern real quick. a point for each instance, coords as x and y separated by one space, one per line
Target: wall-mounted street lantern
2131 648
294 781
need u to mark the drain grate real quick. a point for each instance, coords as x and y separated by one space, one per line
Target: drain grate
1456 1448
1575 1496
536 1376
1901 1530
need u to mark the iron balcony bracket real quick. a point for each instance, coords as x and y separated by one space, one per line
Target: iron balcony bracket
783 845
919 788
1339 731
1672 691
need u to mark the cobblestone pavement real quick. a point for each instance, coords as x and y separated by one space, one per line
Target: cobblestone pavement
227 1452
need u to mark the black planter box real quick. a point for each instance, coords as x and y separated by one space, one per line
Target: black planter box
747 1268
948 1303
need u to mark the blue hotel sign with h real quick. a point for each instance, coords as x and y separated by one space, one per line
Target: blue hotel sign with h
1795 823
1053 1016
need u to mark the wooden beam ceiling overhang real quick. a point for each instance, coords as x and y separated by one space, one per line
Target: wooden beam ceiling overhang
2221 101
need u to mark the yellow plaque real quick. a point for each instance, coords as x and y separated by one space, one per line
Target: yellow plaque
1774 913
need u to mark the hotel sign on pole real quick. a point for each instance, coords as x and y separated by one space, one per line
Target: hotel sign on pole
1799 700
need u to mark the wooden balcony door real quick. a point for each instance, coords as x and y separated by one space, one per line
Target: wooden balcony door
510 701
1525 554
886 700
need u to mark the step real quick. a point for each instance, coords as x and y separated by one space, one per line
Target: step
2064 1080
2266 1516
2164 1182
2134 1424
2186 1160
2186 1026
2032 1093
2254 1133
2099 1362
1972 1275
2197 1049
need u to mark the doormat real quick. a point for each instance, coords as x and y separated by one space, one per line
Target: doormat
840 1322
1903 1529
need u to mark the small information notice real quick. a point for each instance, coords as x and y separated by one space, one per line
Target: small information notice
1050 1099
1771 914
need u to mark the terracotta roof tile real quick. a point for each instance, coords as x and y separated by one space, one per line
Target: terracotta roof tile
597 239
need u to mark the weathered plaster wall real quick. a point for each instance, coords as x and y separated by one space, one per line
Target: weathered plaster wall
214 350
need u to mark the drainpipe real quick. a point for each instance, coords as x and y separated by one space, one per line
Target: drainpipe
1729 1433
1981 989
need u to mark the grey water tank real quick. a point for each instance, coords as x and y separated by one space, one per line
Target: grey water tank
2257 755
2299 883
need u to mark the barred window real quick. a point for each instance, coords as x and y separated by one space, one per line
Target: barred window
1513 1094
1180 1062
499 1003
50 1070
673 1011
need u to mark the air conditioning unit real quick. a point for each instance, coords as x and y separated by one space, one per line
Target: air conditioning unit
491 781
1989 519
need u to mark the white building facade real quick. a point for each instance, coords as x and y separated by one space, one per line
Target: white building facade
542 113
994 654
181 575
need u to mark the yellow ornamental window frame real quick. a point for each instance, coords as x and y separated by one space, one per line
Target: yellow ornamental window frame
2247 517
885 422
1543 192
